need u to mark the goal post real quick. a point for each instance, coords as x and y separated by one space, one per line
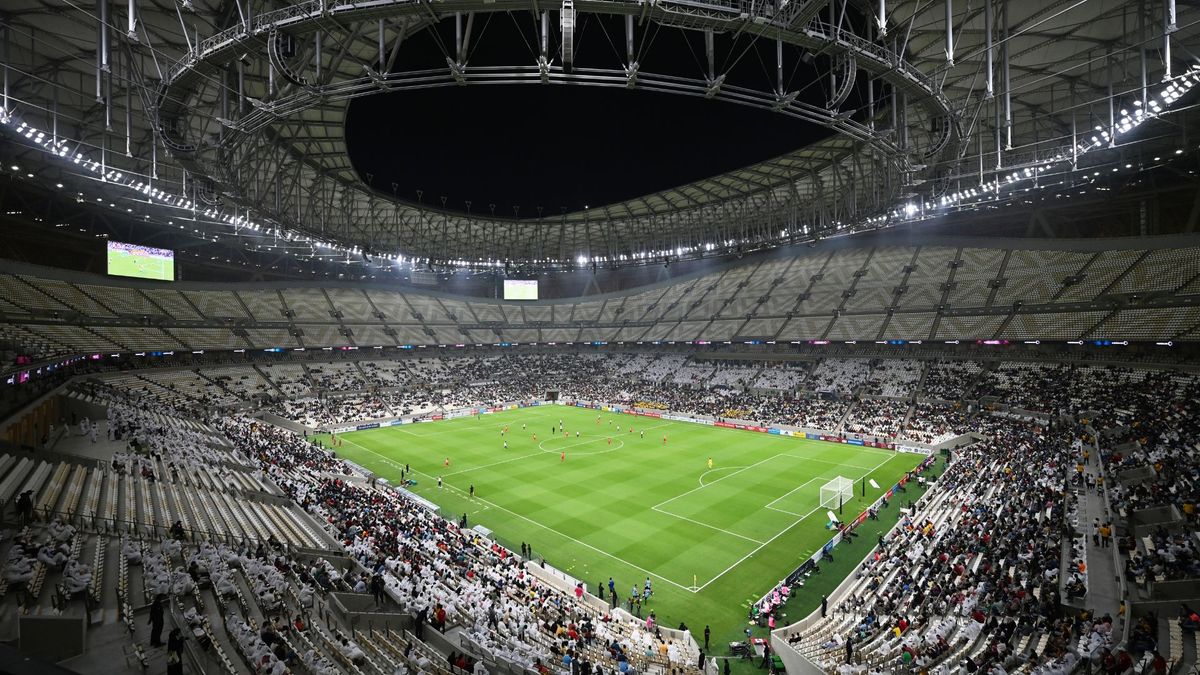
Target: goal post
836 492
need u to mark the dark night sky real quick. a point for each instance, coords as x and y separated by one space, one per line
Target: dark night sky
568 146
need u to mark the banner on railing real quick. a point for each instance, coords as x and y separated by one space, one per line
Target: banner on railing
742 427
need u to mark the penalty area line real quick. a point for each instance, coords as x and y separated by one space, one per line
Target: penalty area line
697 522
786 529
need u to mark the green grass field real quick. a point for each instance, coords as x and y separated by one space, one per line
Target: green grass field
140 266
711 541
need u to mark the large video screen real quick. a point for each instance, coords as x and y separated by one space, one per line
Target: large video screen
520 289
143 262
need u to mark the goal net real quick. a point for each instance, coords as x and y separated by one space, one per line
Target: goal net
836 492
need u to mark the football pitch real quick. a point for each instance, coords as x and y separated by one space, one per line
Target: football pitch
622 505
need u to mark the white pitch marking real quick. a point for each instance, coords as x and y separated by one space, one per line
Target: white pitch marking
697 522
487 466
541 445
547 527
769 505
693 589
720 468
682 494
781 532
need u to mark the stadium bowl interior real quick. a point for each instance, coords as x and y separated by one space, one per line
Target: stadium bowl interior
671 337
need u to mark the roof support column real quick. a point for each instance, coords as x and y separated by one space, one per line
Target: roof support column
101 50
128 105
1074 135
1168 28
981 159
458 36
153 156
1142 33
382 46
317 56
545 33
629 38
950 33
1112 104
631 65
895 114
566 20
4 64
871 103
131 31
988 29
998 129
54 102
779 68
543 60
1008 118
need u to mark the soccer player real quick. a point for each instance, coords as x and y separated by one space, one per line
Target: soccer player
566 434
563 456
505 445
710 462
597 419
535 437
471 491
576 434
664 439
522 426
439 482
610 440
642 433
618 428
447 462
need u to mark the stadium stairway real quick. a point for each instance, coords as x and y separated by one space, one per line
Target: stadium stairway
1103 588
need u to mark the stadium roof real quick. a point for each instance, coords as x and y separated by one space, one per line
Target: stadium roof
230 115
